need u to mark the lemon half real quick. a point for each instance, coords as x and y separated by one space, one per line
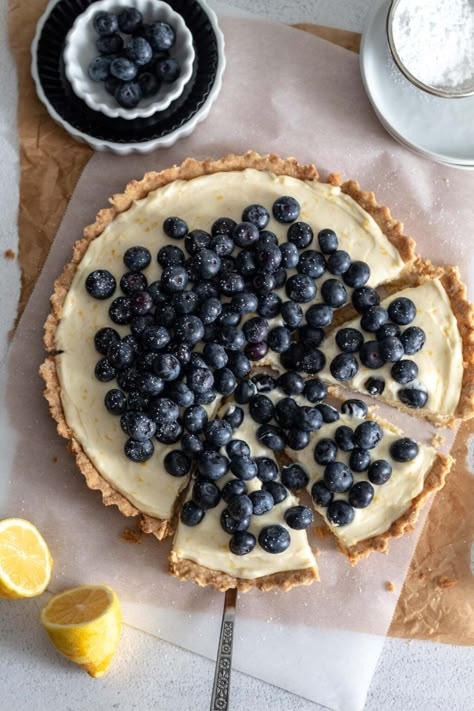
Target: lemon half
25 560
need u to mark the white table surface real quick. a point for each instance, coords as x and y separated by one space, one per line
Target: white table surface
150 673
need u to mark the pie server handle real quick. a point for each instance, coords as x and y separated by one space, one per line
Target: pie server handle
221 686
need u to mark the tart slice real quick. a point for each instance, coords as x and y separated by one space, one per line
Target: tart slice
367 479
414 350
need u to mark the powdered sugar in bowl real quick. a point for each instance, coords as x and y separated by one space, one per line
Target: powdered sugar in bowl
432 42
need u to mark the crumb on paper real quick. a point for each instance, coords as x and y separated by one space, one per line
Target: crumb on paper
131 536
389 586
438 440
55 460
9 254
421 576
445 582
321 532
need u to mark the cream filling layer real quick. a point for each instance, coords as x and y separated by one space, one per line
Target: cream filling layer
208 544
440 361
199 202
391 500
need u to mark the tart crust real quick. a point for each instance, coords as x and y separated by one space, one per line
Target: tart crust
185 569
136 190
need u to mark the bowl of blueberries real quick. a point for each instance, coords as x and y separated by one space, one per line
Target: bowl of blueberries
129 61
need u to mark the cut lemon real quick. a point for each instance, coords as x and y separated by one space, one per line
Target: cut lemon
84 624
25 561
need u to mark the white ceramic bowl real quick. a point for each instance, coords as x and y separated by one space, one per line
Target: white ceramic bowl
80 49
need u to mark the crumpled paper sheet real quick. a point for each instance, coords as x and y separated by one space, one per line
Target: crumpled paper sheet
433 601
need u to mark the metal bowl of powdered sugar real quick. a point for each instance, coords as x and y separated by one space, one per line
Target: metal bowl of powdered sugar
432 42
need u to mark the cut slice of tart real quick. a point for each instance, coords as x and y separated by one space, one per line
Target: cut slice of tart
367 479
414 350
93 286
242 528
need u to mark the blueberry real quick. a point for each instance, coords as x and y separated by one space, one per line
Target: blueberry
234 416
361 494
368 434
120 354
162 410
313 360
244 391
292 359
269 305
359 460
286 412
195 419
231 525
206 263
191 514
139 451
246 263
328 412
340 513
286 209
402 311
357 275
267 237
373 318
109 44
339 262
344 366
355 408
206 494
256 329
242 543
141 303
289 255
137 425
100 284
129 20
315 390
256 351
388 330
413 340
240 507
300 288
319 315
156 292
325 451
169 433
268 257
185 302
231 283
133 281
391 349
311 263
245 234
262 502
244 302
413 397
379 472
139 50
137 258
274 539
349 340
139 325
234 487
189 329
176 228
161 36
405 371
105 23
375 386
182 352
209 310
126 378
364 298
299 517
120 310
343 437
224 381
293 476
370 355
222 245
227 317
271 437
215 355
218 433
321 494
297 439
337 477
155 338
196 240
211 464
300 234
328 242
334 293
111 85
123 69
279 339
291 383
238 448
292 314
261 408
277 490
191 445
115 401
104 337
167 366
239 364
308 419
257 215
137 401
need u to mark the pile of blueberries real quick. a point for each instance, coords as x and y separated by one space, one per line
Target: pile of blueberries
133 68
387 344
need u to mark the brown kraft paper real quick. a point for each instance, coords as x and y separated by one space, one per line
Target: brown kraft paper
436 601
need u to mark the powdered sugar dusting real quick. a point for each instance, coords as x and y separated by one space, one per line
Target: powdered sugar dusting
435 41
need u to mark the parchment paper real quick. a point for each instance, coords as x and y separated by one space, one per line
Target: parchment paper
330 625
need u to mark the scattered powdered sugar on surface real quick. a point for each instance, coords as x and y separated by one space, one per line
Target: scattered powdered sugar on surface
435 41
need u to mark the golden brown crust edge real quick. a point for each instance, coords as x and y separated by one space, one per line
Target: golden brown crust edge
434 481
185 569
158 527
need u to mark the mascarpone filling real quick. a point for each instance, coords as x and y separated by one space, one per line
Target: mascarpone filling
199 201
440 363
